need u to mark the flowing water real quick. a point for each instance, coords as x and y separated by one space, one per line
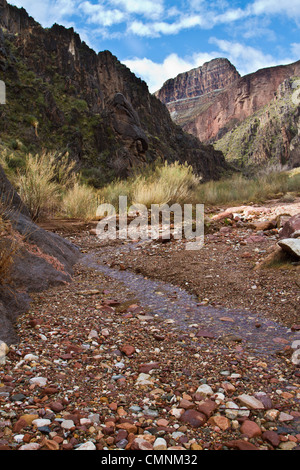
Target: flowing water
260 336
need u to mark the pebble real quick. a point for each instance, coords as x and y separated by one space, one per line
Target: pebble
39 423
193 392
160 444
87 446
251 402
40 381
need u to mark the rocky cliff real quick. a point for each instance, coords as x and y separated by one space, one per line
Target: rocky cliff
213 113
213 75
61 95
270 136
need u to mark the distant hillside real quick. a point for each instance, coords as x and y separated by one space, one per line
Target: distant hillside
221 100
271 135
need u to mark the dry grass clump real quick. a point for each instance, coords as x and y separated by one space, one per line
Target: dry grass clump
9 246
166 183
79 202
239 189
49 186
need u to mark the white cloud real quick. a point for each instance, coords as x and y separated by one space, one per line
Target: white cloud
99 15
275 7
155 74
248 59
295 47
155 29
152 9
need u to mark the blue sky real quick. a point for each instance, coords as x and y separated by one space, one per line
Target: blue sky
157 39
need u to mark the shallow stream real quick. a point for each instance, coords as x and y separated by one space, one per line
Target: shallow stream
260 336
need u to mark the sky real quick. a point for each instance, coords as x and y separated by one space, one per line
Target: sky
158 39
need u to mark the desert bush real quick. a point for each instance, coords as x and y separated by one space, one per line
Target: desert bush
42 182
37 186
79 202
9 246
169 184
239 189
165 183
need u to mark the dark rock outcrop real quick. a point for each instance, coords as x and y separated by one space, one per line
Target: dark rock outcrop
43 259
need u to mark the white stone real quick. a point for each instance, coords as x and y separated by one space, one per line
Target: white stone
291 245
67 424
84 421
39 423
32 446
143 379
160 444
251 402
87 446
93 334
205 390
40 381
30 358
177 412
19 438
271 415
296 357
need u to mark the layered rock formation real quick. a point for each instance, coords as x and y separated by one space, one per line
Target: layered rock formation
213 75
87 104
212 113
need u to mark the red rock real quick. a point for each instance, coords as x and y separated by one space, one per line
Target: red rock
56 406
7 378
193 418
205 334
221 421
129 427
272 437
250 429
290 227
49 391
241 445
51 444
158 337
146 368
207 407
186 404
141 444
295 327
256 239
127 350
19 425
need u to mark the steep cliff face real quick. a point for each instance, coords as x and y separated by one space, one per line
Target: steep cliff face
211 114
269 136
213 75
239 101
61 95
214 111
